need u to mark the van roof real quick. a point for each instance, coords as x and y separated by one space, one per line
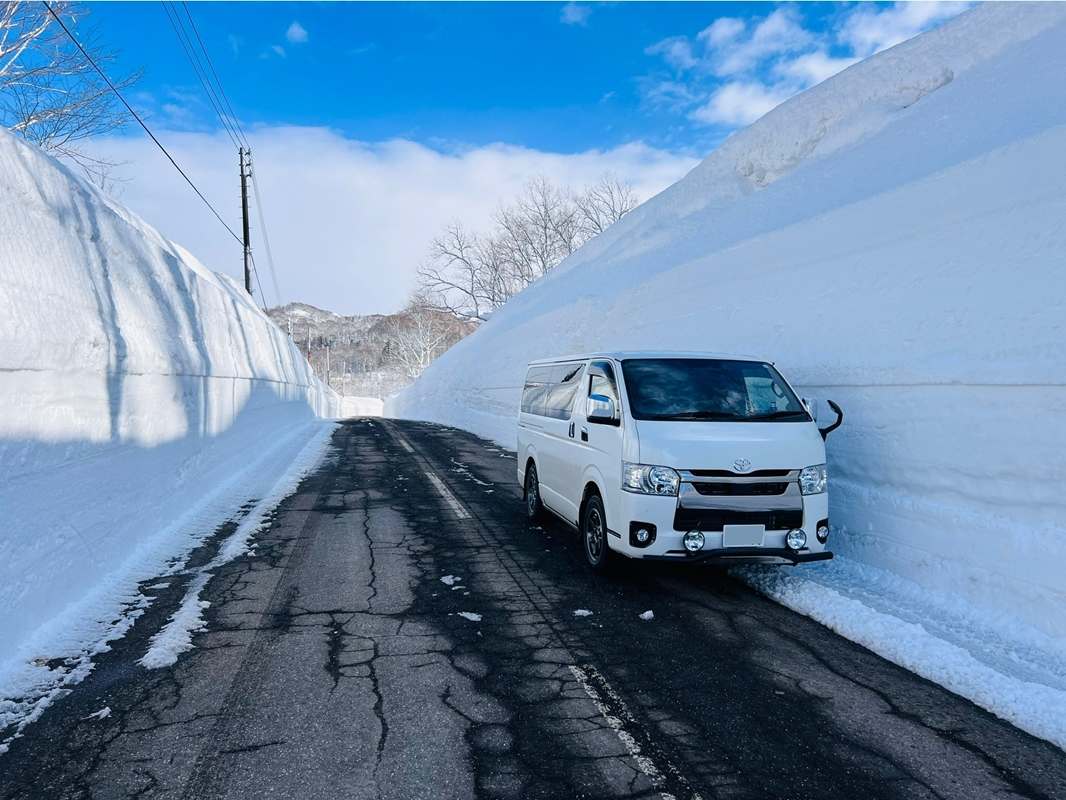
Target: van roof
620 355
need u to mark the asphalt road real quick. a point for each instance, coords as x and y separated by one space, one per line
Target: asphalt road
336 663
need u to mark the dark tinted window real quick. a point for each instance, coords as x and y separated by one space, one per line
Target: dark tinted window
550 391
709 389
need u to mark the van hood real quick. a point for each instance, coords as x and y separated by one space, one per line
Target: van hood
716 445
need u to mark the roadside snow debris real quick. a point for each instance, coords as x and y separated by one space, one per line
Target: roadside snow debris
448 580
582 612
103 713
648 615
470 615
457 586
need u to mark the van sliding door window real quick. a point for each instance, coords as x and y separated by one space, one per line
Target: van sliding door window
550 390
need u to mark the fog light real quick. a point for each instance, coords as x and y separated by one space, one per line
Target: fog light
694 541
822 533
641 534
796 539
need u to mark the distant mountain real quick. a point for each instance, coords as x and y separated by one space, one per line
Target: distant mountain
369 355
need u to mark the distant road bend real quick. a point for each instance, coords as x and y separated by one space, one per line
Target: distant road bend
401 631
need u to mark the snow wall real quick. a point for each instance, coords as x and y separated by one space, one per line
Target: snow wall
134 383
894 239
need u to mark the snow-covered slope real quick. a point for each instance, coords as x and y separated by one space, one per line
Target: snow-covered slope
141 397
894 239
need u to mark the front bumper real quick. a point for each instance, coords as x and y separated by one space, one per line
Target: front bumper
773 555
669 546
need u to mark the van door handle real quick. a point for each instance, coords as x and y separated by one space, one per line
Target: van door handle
571 430
584 434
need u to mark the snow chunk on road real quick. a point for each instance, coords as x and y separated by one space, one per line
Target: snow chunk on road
648 615
103 713
470 615
582 612
450 580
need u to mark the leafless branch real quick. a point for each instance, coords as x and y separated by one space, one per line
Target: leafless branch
469 275
50 94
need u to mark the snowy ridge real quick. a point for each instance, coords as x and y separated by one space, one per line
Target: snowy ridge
892 239
135 385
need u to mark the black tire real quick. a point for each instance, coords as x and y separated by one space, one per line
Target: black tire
534 506
594 535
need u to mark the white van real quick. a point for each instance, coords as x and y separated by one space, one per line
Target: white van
675 457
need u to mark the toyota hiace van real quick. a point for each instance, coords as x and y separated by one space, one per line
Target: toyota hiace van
682 457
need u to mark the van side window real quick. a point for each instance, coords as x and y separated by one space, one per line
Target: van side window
601 380
550 390
600 385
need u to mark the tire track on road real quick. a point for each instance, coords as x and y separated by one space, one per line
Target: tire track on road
648 757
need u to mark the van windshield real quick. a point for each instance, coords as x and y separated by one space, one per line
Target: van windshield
703 389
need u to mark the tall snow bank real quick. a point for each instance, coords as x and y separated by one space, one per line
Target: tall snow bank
134 383
894 239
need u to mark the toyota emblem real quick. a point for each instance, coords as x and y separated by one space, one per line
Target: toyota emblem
742 465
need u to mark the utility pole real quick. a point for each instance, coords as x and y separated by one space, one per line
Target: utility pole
244 209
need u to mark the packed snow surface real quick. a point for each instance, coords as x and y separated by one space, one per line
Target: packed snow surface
144 400
894 239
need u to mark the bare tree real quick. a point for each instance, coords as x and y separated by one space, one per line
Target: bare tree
418 336
470 275
50 93
465 276
538 230
605 202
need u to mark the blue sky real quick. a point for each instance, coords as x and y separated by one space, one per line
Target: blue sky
550 76
641 88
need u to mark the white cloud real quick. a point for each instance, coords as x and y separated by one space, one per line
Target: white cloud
722 31
277 48
738 104
175 111
676 52
575 14
869 30
735 70
779 34
349 221
812 68
296 33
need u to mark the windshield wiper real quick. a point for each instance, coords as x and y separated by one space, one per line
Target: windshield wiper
779 415
694 415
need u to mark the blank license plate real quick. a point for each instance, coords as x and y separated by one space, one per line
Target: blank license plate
743 535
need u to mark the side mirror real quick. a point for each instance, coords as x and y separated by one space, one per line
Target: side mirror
840 418
600 409
812 407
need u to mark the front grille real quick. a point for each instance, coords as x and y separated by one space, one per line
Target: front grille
714 519
724 473
740 489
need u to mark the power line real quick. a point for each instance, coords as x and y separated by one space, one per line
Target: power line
262 226
201 73
218 83
256 273
139 120
219 100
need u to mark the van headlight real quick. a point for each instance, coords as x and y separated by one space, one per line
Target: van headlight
813 480
644 479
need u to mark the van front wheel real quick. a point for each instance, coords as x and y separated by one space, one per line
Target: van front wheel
533 503
594 535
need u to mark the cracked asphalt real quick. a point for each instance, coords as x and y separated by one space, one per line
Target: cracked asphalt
336 663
